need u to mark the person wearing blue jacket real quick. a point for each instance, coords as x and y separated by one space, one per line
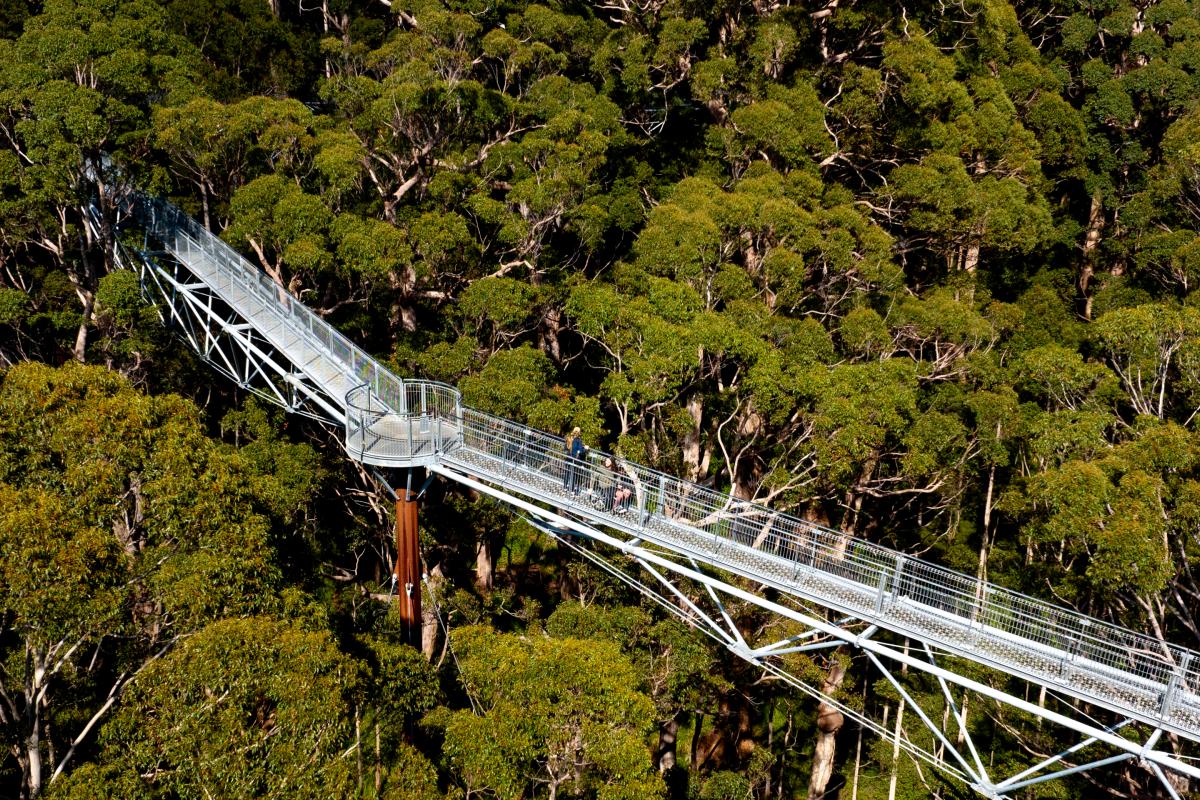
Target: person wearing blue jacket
576 453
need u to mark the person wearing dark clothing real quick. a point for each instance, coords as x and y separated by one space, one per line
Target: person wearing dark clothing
576 453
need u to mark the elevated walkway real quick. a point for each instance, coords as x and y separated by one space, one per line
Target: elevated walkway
297 359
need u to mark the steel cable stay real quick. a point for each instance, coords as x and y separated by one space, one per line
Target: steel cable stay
974 774
262 337
776 670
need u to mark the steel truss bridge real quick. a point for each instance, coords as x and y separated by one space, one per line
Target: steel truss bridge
692 549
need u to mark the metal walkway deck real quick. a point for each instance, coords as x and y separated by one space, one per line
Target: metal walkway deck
270 342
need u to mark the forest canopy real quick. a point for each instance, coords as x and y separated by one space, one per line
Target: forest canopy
925 273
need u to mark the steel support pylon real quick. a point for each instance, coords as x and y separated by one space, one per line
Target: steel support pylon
408 567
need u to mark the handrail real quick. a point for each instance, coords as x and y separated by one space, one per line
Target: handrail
413 421
166 222
1049 634
427 426
972 601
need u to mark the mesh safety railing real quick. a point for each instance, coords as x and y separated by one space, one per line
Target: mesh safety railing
393 420
190 240
375 434
1096 659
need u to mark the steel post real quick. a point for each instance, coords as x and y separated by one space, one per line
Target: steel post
408 566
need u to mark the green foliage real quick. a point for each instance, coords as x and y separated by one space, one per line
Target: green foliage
14 306
930 276
562 712
237 686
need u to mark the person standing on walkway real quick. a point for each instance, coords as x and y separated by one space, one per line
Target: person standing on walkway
575 455
606 483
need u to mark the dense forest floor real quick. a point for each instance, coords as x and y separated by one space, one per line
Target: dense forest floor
920 272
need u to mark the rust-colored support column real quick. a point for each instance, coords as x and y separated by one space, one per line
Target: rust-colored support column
408 568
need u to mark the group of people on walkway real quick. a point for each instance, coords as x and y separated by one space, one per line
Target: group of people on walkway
611 487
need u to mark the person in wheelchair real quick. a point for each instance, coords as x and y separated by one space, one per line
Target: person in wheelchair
622 495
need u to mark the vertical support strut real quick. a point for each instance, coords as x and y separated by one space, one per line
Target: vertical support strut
408 565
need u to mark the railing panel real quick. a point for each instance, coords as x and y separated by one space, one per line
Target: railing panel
410 418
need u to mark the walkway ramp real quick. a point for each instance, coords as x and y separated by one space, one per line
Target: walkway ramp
267 340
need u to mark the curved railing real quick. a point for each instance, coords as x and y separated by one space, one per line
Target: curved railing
418 422
390 421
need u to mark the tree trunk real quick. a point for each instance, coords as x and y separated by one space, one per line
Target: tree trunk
1091 241
858 756
429 619
204 205
896 750
1181 783
81 336
403 316
667 732
970 258
378 761
33 742
485 563
694 750
549 333
829 722
985 539
33 754
691 442
358 746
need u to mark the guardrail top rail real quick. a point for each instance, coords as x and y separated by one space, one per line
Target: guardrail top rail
1144 665
164 221
1137 669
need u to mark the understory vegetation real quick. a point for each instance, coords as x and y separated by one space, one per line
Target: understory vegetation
923 272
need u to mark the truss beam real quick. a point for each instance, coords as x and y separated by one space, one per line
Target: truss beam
263 338
876 650
231 345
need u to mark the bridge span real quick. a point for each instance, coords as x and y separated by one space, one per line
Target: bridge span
691 548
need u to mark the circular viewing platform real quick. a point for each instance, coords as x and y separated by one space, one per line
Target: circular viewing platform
412 427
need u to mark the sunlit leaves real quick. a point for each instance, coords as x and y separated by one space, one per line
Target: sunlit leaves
562 712
253 685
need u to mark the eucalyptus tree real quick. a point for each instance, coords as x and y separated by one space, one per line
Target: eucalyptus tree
561 716
75 94
125 530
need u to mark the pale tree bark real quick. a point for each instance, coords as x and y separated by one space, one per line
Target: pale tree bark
485 563
550 332
83 280
829 722
403 314
970 256
896 735
858 754
970 252
33 752
668 731
896 751
691 442
88 299
429 619
1091 242
985 543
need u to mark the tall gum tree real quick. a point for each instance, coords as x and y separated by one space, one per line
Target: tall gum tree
125 529
75 92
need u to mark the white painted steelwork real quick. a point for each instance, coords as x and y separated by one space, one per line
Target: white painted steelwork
673 525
